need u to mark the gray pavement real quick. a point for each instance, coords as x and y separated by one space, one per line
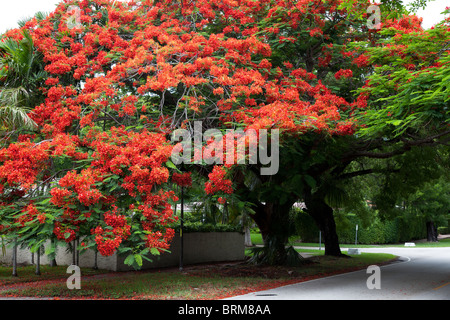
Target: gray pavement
421 274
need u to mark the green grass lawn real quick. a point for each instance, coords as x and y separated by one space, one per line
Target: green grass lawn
194 283
257 240
27 274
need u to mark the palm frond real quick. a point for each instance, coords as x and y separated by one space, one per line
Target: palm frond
336 196
13 117
18 56
40 15
13 96
21 74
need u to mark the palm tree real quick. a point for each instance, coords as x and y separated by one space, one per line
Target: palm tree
21 74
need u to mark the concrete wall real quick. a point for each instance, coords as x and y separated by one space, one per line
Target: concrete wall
63 257
199 247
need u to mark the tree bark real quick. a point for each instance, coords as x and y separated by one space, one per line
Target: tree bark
273 222
95 260
38 262
14 259
432 235
53 262
73 253
322 214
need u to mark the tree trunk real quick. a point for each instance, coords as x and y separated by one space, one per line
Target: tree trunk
38 262
14 259
322 214
95 260
78 252
273 222
432 235
74 252
53 261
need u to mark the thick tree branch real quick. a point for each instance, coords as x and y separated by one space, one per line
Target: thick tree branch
406 146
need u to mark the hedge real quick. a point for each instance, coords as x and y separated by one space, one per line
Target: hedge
396 230
189 227
445 228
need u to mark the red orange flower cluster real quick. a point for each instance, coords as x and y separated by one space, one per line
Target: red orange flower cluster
344 73
30 213
117 229
182 179
22 163
218 182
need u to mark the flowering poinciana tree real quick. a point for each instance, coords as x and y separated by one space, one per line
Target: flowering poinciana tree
117 82
123 76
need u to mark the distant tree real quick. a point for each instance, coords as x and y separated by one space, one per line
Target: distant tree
432 202
413 184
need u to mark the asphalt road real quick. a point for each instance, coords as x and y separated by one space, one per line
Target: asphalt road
421 274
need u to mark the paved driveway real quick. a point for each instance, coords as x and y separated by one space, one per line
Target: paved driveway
422 274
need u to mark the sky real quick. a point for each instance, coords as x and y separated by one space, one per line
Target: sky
13 10
432 13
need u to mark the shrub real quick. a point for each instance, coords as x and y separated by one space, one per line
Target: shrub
380 231
206 227
399 229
